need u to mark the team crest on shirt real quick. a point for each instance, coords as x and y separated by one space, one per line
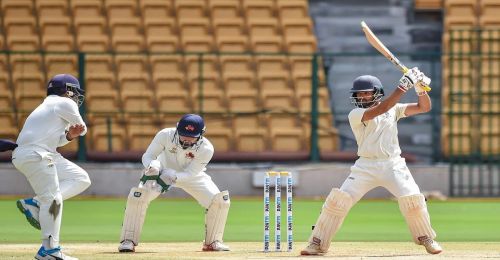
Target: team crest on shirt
190 155
173 150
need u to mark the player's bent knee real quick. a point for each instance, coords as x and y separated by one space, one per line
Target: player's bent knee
338 202
411 203
221 199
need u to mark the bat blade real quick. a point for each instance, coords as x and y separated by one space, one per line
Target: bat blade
380 47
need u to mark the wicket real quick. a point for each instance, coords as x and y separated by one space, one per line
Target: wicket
277 204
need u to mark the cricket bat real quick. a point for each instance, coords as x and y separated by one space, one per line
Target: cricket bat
377 44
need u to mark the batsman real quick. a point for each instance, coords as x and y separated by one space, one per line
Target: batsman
177 157
374 124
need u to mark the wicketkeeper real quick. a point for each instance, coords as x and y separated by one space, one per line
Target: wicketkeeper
177 157
374 124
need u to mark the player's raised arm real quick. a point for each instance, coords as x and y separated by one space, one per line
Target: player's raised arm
424 101
377 108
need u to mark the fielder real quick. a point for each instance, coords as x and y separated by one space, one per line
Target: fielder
374 124
52 124
177 157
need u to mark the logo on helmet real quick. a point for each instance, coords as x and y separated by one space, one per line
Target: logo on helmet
189 128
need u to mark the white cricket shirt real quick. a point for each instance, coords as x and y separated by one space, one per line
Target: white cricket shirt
166 150
377 138
46 126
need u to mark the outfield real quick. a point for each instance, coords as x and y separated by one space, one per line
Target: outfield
98 221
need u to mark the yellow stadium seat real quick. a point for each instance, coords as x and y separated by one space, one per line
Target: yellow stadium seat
209 66
9 128
489 13
101 94
99 63
59 64
190 8
247 121
456 143
428 4
121 9
87 8
17 8
263 27
236 63
168 120
141 129
304 98
91 33
460 13
251 140
490 103
159 27
225 9
266 43
276 81
297 27
258 9
52 8
213 101
26 64
131 64
490 144
283 99
270 64
221 139
243 101
156 9
21 33
300 44
167 64
287 139
126 34
460 123
282 120
6 93
136 94
239 81
292 9
107 133
173 102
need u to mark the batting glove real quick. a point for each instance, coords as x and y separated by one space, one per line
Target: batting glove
423 81
409 79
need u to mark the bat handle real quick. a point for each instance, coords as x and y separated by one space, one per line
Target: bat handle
404 69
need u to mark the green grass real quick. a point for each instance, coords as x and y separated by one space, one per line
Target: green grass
183 220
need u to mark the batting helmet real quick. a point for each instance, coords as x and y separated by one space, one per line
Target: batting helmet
191 125
366 83
61 84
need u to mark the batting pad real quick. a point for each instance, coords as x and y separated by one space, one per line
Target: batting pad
135 213
215 219
417 217
335 208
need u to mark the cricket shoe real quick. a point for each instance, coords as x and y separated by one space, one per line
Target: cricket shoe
126 246
430 245
30 208
215 246
52 254
313 248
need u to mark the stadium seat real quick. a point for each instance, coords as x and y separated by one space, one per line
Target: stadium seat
257 9
460 123
99 64
161 34
287 139
209 66
489 13
17 8
141 129
86 8
243 101
55 25
101 94
490 144
21 33
229 35
242 82
190 8
156 9
131 64
126 34
225 9
266 44
262 27
247 121
428 4
91 34
120 9
271 64
490 103
277 81
457 102
282 120
9 129
460 13
453 144
173 102
300 44
6 93
214 101
304 98
59 64
167 65
279 99
136 93
221 139
292 9
236 64
107 133
168 120
297 27
250 140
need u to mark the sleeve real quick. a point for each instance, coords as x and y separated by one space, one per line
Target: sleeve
154 149
400 110
197 165
68 110
355 116
63 140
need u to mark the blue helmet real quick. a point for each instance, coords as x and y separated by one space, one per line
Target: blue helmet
366 83
190 125
61 84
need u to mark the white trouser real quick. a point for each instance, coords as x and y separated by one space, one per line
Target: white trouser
53 179
392 174
200 186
